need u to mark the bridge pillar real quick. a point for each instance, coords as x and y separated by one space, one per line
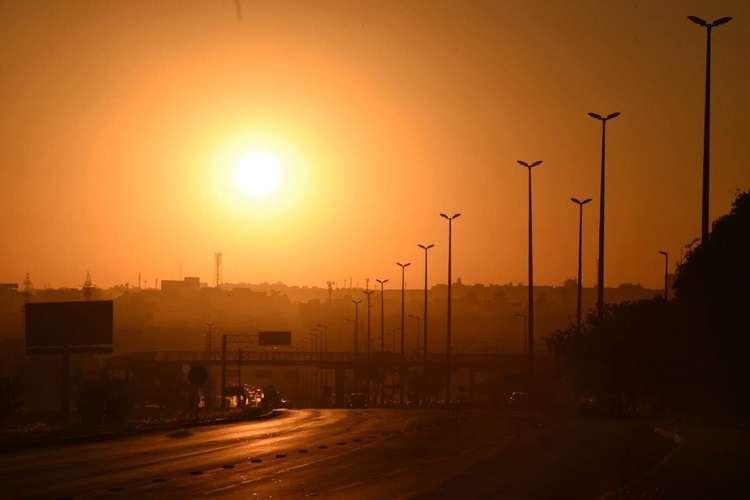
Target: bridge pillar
339 382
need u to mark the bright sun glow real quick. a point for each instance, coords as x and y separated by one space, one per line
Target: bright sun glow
257 174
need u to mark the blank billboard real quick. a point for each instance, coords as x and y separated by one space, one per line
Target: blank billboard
78 326
274 338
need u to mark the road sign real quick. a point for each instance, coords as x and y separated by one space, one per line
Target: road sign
73 327
274 338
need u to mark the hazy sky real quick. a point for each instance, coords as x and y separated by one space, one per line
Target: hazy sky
122 121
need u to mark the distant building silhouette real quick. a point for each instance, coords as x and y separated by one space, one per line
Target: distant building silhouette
188 284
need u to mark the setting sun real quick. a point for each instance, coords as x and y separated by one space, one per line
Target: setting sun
257 174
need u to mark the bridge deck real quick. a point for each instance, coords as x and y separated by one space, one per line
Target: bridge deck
318 359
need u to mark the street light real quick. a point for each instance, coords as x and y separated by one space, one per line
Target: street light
426 288
403 284
531 272
382 315
666 274
600 290
707 120
450 303
580 253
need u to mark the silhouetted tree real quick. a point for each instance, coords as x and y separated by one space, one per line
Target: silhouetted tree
682 353
713 284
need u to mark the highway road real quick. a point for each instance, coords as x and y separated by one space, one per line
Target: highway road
332 453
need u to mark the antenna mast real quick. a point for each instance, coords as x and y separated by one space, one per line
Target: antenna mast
217 260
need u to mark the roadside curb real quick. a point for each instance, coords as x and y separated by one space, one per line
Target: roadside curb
625 490
114 435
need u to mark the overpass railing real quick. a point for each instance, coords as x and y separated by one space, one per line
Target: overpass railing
302 357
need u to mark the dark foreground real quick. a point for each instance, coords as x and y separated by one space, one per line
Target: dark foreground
356 454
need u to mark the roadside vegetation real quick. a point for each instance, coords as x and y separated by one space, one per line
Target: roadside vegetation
685 355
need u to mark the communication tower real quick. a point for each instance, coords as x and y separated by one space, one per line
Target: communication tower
217 261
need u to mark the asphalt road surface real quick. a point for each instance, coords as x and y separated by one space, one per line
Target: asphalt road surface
298 454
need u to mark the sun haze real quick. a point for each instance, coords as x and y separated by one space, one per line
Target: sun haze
257 174
179 128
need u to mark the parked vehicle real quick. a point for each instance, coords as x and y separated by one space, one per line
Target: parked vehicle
358 400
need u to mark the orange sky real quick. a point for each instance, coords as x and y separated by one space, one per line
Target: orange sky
120 120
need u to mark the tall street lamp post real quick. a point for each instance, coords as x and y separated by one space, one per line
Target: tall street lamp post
600 279
382 315
580 258
448 336
529 166
426 289
707 121
368 293
401 369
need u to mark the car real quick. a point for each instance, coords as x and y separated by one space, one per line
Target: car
357 400
519 400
